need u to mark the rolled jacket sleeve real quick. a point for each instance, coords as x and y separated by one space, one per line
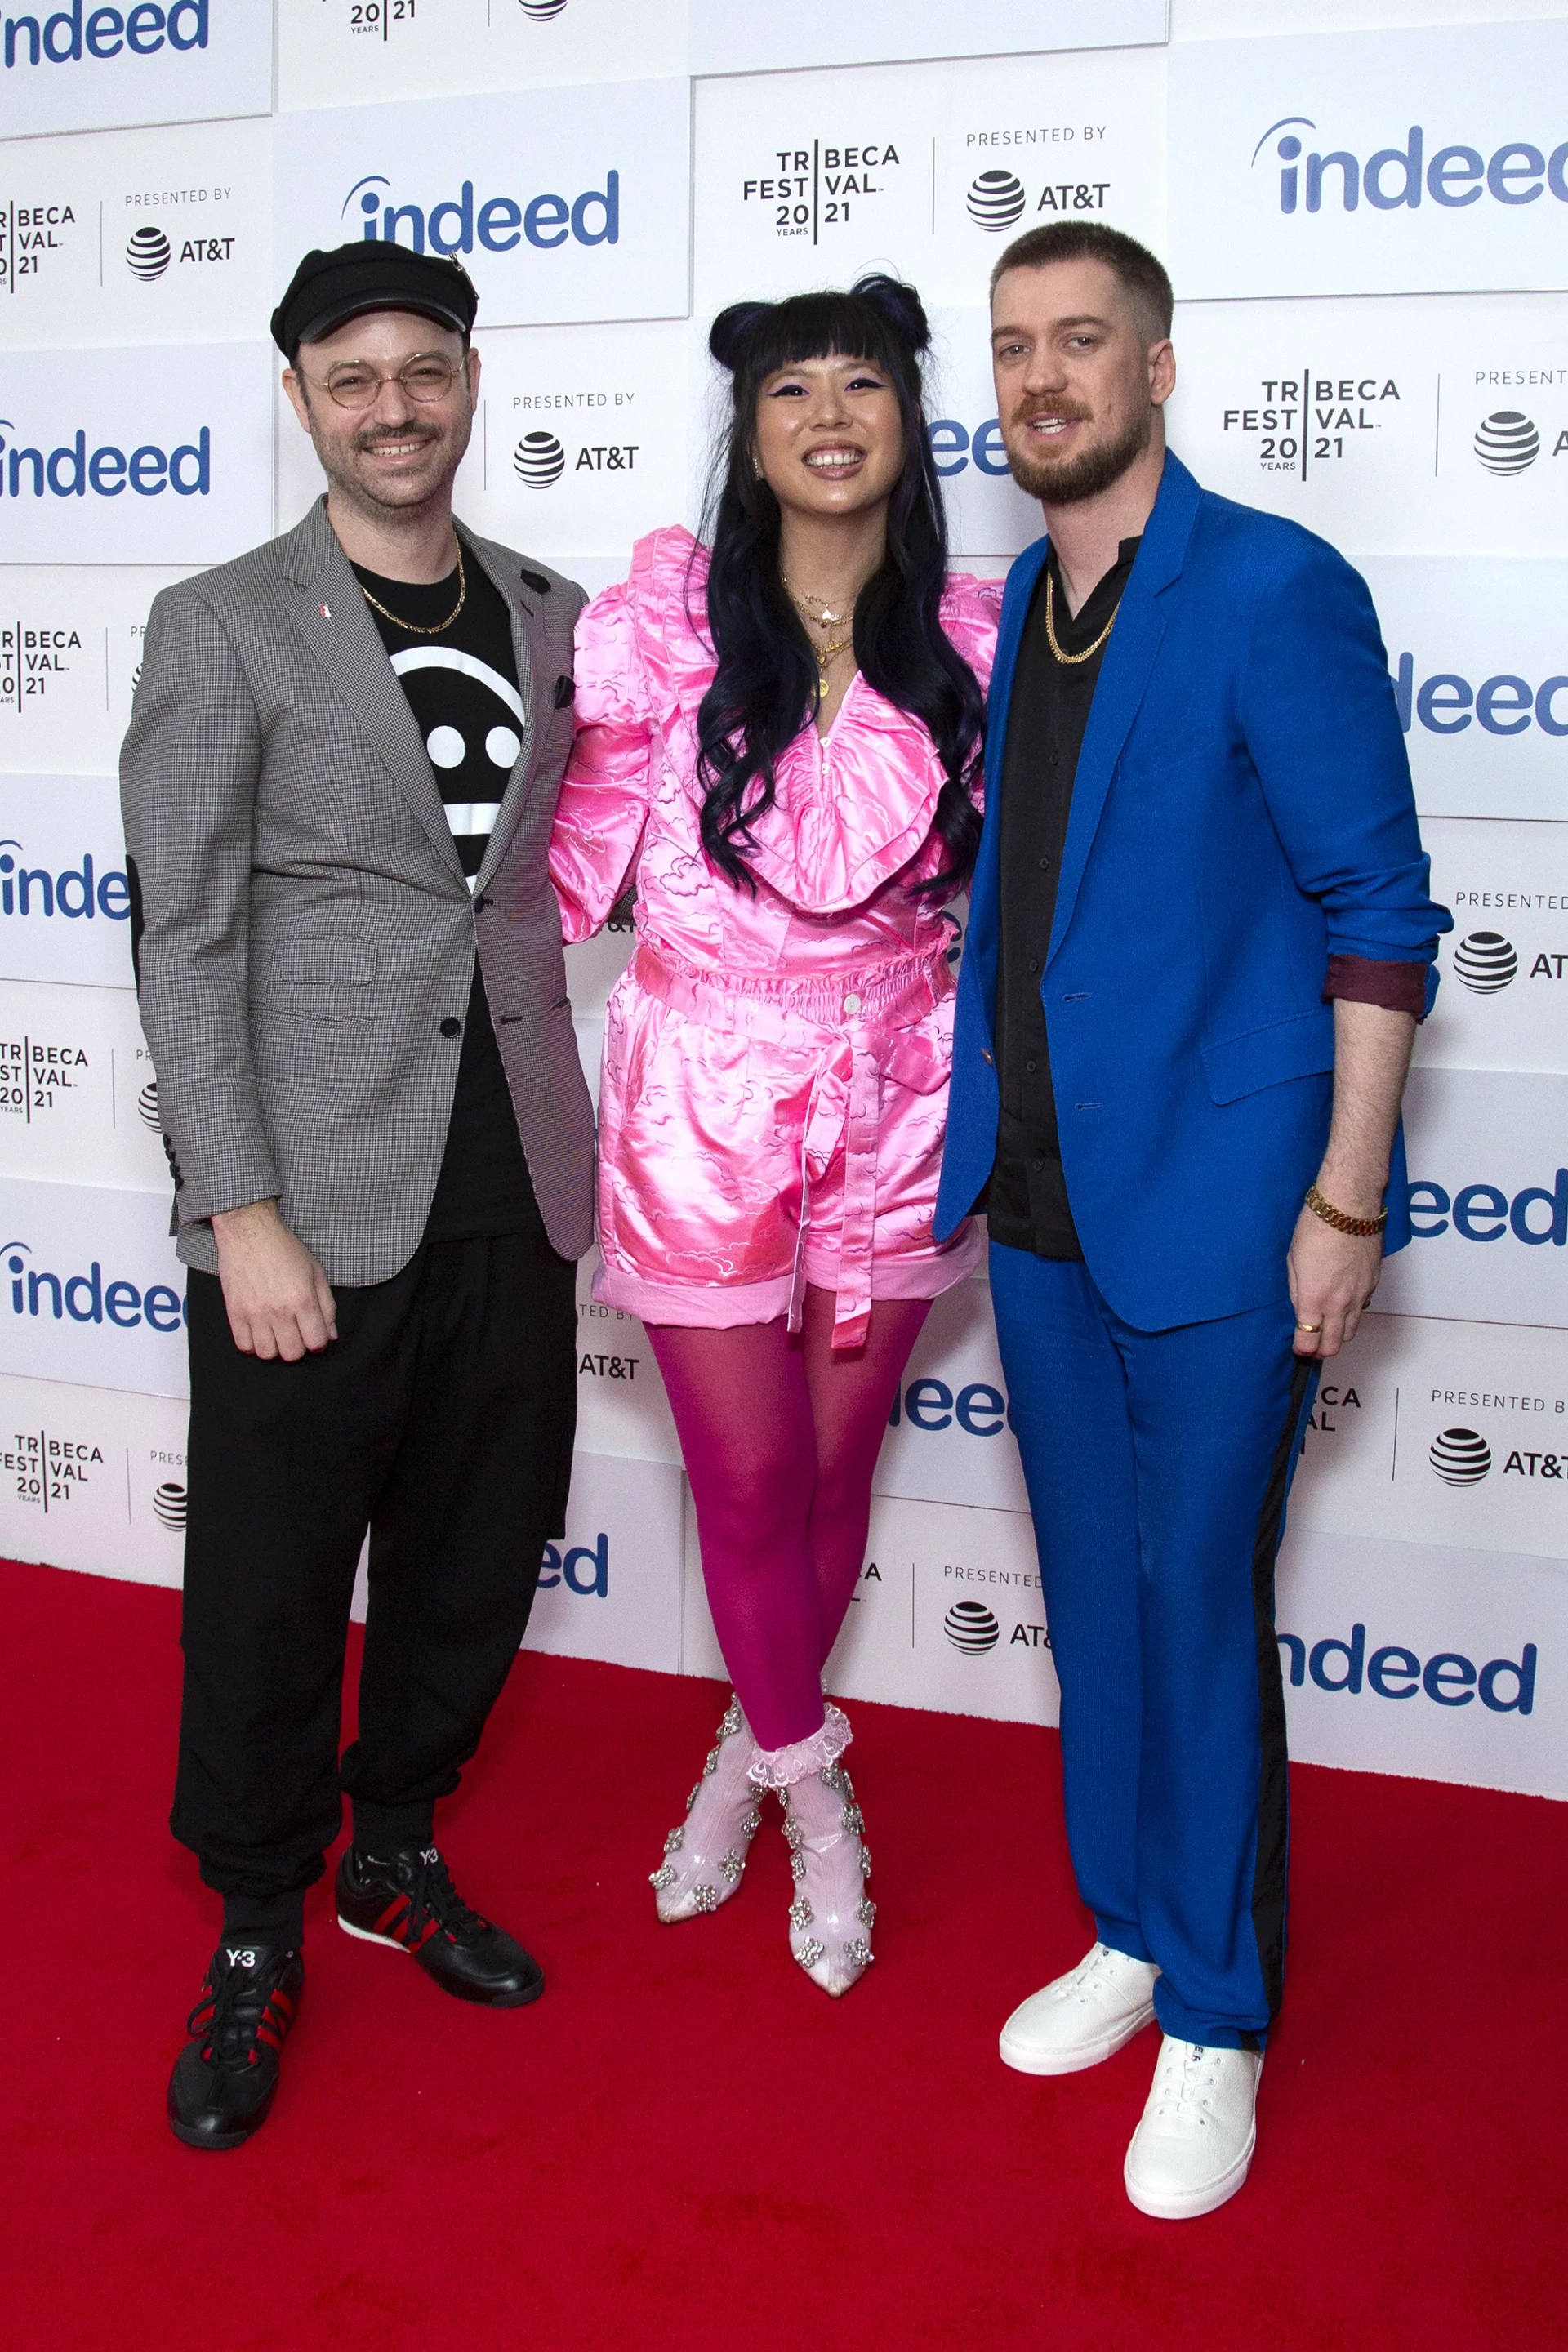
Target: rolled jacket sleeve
1321 726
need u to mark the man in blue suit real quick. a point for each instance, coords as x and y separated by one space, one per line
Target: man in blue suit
1199 941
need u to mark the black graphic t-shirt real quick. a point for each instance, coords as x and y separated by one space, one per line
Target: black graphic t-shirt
461 686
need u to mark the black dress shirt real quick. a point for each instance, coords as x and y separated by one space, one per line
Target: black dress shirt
1026 1200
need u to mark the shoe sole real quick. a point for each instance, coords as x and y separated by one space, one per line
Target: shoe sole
460 1992
1197 2201
1024 2060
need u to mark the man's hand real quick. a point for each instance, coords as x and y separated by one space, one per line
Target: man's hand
1332 1276
279 1299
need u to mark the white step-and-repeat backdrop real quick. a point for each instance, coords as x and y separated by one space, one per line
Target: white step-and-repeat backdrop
1368 230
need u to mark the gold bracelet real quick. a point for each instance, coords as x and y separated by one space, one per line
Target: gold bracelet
1365 1227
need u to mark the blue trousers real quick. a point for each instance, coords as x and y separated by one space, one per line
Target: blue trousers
1158 1464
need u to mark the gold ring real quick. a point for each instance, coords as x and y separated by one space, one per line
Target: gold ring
1309 1326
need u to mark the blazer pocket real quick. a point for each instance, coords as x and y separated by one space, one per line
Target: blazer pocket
1300 1047
327 960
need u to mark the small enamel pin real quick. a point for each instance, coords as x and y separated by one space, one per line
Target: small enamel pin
326 612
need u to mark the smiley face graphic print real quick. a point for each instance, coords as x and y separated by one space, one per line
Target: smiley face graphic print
461 685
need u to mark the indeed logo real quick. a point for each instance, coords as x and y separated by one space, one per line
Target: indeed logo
979 1410
1445 703
499 223
87 1297
1504 1685
69 472
63 39
1483 1212
953 446
75 892
584 1569
1454 177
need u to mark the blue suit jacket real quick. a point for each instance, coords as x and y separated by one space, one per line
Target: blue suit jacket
1242 810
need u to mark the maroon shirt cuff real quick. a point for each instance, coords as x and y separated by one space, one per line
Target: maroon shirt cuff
1360 979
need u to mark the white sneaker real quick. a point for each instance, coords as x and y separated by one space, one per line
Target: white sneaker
1192 2150
1082 2017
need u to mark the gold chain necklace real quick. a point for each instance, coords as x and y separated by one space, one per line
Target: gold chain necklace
1072 659
824 619
413 631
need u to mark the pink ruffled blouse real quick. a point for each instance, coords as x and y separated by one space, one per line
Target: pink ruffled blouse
775 1067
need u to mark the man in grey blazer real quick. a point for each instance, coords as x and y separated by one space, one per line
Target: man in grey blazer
338 788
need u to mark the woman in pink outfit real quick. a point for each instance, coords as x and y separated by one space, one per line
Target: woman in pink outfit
780 735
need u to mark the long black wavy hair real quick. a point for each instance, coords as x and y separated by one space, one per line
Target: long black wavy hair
767 684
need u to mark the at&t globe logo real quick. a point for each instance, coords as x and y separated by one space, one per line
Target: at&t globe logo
148 253
1461 1457
539 459
971 1628
168 1505
540 12
1484 962
995 201
1507 442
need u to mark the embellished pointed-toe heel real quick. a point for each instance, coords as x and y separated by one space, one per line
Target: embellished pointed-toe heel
832 1916
705 1857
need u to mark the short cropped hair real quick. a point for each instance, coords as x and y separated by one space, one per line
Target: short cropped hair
1139 273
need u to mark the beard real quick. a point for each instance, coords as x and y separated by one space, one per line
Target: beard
1066 481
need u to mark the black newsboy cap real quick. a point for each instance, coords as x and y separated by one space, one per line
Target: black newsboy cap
370 275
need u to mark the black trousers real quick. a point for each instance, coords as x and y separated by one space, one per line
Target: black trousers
441 1419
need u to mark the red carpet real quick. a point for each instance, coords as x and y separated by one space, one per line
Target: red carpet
685 2144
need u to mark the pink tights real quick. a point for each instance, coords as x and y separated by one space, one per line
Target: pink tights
781 1437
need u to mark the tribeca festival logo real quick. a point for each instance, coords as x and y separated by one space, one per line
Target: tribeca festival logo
87 1297
1302 419
806 190
1396 178
33 658
68 471
140 31
34 1073
458 224
28 235
49 1470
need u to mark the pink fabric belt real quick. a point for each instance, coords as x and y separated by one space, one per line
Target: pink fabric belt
865 1027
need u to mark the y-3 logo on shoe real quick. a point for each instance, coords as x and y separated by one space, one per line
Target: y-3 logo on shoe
431 1853
244 1959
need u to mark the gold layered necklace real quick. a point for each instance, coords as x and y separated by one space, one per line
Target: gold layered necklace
411 627
822 617
1072 660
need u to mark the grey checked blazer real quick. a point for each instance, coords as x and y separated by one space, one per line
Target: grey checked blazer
304 924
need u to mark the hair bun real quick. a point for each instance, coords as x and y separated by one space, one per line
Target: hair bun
899 304
731 331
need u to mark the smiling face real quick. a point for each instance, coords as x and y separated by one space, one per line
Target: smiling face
830 437
398 453
1081 377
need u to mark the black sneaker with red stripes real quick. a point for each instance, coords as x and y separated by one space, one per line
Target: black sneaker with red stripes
221 2089
408 1901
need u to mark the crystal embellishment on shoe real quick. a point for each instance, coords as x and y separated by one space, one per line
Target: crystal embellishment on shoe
1083 2017
1193 2148
721 1819
828 1865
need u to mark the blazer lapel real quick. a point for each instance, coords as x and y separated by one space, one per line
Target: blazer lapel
336 620
501 567
1124 676
985 890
